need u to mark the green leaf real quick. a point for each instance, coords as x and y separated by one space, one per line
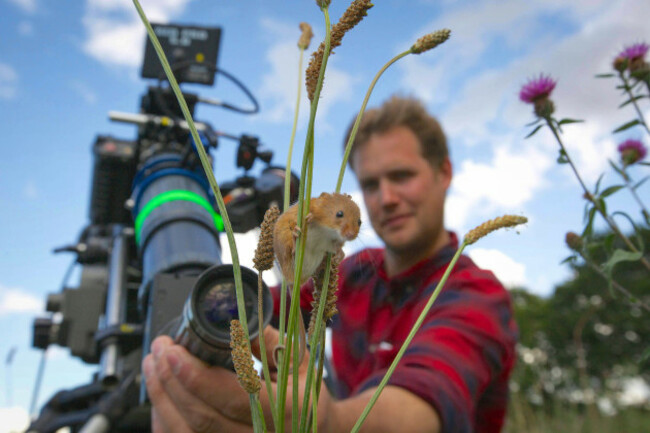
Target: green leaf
533 132
629 101
535 122
600 178
617 169
605 75
628 125
571 259
611 190
620 256
590 223
639 234
567 121
608 242
562 158
603 205
640 182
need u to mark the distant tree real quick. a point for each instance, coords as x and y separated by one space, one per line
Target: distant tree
585 335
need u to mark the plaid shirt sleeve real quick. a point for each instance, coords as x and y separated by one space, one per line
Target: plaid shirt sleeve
460 359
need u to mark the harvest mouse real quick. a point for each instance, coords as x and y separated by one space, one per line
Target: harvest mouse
332 220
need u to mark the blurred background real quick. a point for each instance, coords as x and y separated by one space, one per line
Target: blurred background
64 67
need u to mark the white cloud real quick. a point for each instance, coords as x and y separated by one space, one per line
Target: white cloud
279 85
507 270
8 81
14 419
507 182
485 110
114 25
14 300
28 6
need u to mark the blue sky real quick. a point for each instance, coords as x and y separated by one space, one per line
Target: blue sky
64 65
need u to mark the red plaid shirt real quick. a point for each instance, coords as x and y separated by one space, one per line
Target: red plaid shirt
459 360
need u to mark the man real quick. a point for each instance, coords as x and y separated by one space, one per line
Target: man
453 377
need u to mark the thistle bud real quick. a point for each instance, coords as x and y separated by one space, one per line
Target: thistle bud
544 107
573 241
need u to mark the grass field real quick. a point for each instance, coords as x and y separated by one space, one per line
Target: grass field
570 418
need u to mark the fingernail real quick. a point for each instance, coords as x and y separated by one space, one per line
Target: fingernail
146 367
156 349
174 363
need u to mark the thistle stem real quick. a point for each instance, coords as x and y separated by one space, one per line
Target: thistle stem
628 90
644 211
409 338
616 285
596 204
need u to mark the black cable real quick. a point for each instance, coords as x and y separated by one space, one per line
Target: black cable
256 107
244 89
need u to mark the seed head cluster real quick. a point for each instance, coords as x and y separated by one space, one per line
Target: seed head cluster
243 359
357 10
492 225
430 41
305 37
332 287
263 258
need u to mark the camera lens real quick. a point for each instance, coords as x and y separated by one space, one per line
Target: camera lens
205 327
218 305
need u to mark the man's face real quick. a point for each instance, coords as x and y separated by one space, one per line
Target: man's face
403 193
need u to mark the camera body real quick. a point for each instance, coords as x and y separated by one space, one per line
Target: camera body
150 256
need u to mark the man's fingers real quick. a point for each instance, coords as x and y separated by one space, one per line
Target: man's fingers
189 386
172 421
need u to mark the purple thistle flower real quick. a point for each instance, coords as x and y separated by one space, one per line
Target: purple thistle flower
632 151
537 89
635 51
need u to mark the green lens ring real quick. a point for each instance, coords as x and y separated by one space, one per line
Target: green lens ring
175 195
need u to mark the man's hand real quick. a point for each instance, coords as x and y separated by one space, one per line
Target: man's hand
190 396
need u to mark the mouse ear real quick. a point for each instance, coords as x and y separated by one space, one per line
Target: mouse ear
323 194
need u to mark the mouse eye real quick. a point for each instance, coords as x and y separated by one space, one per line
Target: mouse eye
339 214
359 222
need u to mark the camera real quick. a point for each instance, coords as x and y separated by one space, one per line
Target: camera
150 256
